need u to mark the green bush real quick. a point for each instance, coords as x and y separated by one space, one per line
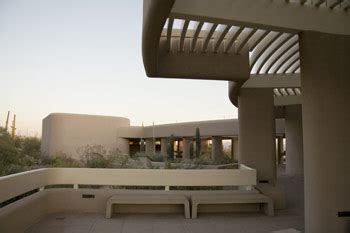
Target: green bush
60 159
96 156
29 146
168 165
203 160
10 159
226 160
117 159
157 157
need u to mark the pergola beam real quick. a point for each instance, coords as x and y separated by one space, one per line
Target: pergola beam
272 81
262 14
287 100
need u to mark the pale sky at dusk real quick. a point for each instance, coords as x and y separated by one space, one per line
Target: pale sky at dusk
84 56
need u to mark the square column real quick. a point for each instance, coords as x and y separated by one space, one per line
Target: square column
216 148
186 148
163 146
325 84
257 132
150 146
294 140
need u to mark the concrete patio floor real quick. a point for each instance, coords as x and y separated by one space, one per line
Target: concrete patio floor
175 223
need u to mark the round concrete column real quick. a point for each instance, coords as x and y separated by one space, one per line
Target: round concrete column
216 148
325 83
294 140
256 142
150 146
186 148
163 146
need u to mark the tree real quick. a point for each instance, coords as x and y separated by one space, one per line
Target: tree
198 142
30 146
10 161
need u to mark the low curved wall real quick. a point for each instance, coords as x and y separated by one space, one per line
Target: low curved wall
19 215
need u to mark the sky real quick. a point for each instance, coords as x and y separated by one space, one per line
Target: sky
84 56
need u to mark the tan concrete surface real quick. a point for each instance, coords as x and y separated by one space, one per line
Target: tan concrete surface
186 148
149 199
163 146
216 148
20 183
175 223
326 115
257 132
294 140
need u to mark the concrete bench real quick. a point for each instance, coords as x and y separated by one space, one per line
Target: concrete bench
148 199
232 199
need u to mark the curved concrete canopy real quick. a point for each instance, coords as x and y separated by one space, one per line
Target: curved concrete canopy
235 40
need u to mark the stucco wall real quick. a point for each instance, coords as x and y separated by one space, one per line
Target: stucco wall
68 132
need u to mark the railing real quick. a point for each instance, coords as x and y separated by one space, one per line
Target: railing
17 184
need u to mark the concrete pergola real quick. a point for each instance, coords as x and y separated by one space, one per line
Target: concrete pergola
282 59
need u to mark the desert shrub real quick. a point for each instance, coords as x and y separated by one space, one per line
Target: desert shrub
140 154
168 165
117 159
10 159
157 157
93 156
95 161
29 146
60 159
202 160
226 160
96 156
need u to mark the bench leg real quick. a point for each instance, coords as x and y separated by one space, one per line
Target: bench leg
268 208
194 210
109 210
187 210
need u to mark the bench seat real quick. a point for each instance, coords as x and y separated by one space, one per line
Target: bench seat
232 199
148 199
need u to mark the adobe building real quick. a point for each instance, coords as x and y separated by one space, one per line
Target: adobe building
66 133
281 59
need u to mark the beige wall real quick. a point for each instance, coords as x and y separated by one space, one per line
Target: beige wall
67 132
227 127
14 185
